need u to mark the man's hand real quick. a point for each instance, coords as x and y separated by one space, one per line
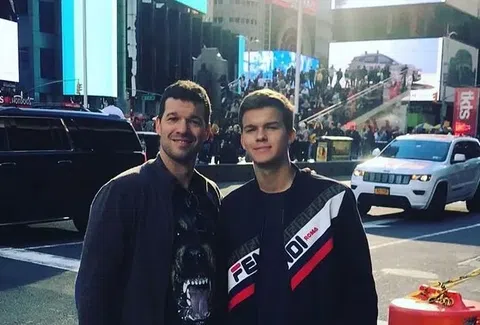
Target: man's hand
308 170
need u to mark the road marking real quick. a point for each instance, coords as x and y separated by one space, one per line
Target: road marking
55 245
58 262
475 262
411 273
401 241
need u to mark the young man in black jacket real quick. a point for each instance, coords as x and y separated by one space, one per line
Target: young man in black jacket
149 255
294 248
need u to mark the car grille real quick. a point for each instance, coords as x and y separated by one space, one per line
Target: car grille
386 178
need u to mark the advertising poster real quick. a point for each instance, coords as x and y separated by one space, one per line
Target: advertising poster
101 42
264 62
322 151
347 4
460 63
420 57
9 69
465 111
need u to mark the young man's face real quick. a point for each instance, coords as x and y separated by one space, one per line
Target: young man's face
182 130
265 137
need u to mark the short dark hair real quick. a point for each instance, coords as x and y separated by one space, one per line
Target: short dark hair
268 98
188 91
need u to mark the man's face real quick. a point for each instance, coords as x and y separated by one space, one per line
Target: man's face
182 130
265 137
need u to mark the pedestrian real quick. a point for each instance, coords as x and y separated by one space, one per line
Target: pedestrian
293 246
149 255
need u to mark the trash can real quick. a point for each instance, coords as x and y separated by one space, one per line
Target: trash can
334 148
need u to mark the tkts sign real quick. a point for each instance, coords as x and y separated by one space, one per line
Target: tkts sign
465 111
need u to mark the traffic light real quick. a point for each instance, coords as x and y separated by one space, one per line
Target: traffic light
79 88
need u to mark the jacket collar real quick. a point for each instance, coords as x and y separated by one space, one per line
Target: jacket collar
197 183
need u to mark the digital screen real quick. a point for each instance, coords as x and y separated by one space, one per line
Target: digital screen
422 57
101 43
346 4
9 51
264 62
460 63
198 5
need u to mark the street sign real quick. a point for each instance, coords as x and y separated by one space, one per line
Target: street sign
148 97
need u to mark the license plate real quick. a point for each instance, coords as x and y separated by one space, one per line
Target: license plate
382 191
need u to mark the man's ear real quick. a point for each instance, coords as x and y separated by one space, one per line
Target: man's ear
292 136
158 126
209 133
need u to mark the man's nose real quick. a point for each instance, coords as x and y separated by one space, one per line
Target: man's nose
261 135
182 126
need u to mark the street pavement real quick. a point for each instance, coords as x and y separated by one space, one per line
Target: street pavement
38 264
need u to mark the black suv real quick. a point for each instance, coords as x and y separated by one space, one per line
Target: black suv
52 162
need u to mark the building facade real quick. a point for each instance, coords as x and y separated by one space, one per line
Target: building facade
438 39
272 24
39 49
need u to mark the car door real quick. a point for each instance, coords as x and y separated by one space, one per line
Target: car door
458 177
43 162
472 167
9 188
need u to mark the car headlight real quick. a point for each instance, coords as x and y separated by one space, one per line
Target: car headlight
421 178
358 172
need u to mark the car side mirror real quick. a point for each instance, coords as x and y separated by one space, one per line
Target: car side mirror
459 157
376 152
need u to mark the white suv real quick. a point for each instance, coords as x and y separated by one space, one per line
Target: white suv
421 172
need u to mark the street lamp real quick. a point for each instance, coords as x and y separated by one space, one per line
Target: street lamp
298 55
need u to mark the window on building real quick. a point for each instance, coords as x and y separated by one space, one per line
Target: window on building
47 17
24 58
21 7
47 63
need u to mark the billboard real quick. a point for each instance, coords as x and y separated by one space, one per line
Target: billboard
422 58
101 43
460 63
198 5
9 51
348 4
465 111
264 62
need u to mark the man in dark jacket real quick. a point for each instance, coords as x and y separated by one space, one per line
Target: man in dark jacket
149 255
294 248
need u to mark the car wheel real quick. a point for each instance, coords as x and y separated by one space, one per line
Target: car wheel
363 208
436 209
473 205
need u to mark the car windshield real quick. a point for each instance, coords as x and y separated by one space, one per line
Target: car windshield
417 150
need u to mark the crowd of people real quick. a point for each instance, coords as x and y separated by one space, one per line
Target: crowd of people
319 90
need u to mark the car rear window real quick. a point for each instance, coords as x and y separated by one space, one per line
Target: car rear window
103 135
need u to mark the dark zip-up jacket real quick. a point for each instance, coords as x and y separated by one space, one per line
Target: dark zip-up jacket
329 264
127 253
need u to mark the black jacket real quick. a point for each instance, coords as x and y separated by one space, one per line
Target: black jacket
127 252
330 268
